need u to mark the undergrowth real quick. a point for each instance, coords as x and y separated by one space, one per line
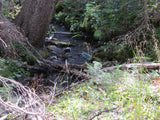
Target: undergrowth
131 93
13 68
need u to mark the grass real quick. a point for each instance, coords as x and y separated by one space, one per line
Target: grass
132 94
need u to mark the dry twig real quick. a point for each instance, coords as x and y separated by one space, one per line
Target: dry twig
20 100
104 110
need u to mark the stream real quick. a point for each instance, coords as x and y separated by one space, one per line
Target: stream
75 50
63 48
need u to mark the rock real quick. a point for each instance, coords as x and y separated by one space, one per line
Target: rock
62 44
55 49
67 50
54 39
53 57
51 47
58 52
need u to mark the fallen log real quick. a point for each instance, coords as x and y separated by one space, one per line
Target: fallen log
47 66
153 66
70 69
51 66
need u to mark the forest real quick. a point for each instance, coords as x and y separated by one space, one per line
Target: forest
79 59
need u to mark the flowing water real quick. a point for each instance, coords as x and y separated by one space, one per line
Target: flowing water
73 50
78 49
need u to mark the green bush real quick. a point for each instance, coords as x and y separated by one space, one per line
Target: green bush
13 68
97 17
112 51
108 20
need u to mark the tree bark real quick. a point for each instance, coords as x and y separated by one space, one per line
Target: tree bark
10 34
35 18
0 5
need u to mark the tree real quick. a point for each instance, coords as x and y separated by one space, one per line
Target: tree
33 22
34 19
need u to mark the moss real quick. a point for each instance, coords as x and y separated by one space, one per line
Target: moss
44 53
54 39
51 47
20 50
63 43
26 56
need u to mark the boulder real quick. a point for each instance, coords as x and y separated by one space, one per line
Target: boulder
55 49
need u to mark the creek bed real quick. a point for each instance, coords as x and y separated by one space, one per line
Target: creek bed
78 52
79 49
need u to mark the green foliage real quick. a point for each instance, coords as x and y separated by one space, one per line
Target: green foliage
97 17
130 92
3 91
77 35
13 68
51 30
22 52
10 8
70 12
105 20
112 51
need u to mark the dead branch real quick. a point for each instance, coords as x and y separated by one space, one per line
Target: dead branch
21 100
104 110
134 65
4 44
62 68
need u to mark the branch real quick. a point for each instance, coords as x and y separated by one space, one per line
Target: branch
134 65
4 44
104 110
26 101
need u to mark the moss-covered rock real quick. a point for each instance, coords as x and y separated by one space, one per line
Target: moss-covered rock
44 53
61 44
54 39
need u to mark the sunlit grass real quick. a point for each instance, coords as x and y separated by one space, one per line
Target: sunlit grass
131 93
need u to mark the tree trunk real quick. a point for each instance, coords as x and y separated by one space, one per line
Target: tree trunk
35 18
11 37
0 5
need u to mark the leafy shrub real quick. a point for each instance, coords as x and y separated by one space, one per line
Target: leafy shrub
105 20
112 51
13 68
97 17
